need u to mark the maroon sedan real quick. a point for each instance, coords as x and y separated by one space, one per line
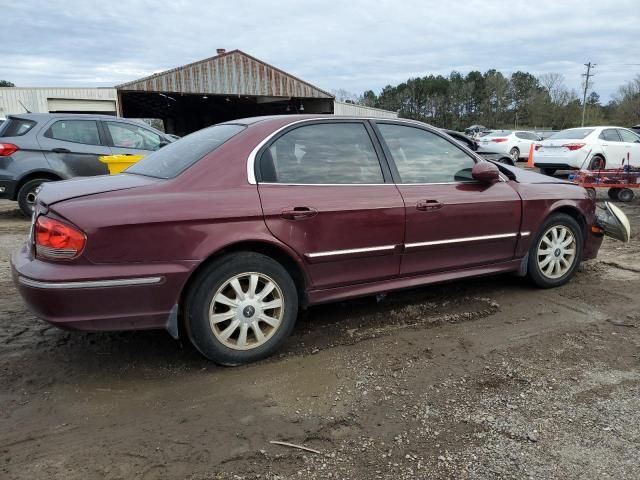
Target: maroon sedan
226 233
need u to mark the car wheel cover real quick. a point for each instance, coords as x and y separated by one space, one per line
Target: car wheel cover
246 311
556 251
515 153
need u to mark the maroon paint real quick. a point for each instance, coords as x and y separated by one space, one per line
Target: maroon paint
178 224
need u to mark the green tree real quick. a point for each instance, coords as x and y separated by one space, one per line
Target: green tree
6 83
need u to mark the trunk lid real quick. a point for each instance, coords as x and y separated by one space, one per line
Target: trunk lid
54 192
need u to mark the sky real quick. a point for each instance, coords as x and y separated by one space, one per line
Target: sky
353 45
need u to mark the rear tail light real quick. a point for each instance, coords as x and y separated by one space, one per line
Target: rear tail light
56 240
573 146
7 149
499 140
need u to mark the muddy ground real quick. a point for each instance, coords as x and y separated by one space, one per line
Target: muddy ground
479 379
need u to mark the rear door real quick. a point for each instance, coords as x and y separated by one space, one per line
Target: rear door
452 221
72 147
632 146
613 147
326 194
130 139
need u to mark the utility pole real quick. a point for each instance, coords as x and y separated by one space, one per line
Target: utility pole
586 87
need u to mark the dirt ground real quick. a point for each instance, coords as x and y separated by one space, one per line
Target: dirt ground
479 379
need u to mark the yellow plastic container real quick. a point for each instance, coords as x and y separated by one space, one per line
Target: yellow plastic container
117 163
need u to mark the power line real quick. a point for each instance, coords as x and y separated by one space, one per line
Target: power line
586 87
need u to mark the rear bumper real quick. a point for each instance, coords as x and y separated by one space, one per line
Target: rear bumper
556 165
99 297
7 188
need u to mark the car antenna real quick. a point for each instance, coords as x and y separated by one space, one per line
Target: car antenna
20 102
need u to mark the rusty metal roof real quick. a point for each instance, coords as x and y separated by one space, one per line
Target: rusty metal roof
231 73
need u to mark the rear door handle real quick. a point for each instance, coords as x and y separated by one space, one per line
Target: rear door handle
298 213
60 150
428 205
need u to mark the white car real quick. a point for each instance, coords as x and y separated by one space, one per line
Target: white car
589 148
515 143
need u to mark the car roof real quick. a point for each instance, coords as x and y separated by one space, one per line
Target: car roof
328 116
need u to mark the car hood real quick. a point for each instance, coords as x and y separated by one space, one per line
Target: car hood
54 192
527 176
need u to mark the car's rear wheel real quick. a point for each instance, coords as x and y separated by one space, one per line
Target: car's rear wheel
556 251
548 171
597 163
27 195
514 153
625 195
241 308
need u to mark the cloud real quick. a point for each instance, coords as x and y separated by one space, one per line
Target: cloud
355 45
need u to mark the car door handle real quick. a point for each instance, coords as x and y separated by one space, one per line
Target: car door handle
60 150
298 213
428 205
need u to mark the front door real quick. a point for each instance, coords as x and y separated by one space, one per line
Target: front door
452 221
325 194
73 147
614 149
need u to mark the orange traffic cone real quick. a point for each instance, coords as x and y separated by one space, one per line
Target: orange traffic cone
530 159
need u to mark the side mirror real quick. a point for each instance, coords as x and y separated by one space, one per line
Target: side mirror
485 172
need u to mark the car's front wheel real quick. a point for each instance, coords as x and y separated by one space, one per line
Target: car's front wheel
515 153
241 308
556 251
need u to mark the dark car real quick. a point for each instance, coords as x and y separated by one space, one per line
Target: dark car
636 129
42 147
472 144
223 235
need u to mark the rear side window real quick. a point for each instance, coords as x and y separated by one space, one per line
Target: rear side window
328 153
424 157
76 131
503 133
170 161
610 135
15 127
571 134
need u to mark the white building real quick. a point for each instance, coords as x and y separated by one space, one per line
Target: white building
62 100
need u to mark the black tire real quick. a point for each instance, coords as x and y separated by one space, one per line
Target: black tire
548 171
534 271
625 195
613 193
26 195
597 163
199 299
515 153
592 193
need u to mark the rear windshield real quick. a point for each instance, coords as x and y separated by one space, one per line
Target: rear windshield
503 133
571 134
173 159
15 127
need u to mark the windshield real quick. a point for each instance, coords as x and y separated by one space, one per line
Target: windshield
571 134
173 159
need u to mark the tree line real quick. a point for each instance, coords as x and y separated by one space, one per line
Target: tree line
498 101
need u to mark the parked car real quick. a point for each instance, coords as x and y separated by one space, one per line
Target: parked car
42 147
636 129
475 130
472 144
516 143
225 234
592 148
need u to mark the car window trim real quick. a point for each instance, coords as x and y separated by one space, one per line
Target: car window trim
50 125
394 169
255 157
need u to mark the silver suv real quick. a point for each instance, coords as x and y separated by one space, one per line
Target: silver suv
42 147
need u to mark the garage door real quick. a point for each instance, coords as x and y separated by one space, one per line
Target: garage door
69 105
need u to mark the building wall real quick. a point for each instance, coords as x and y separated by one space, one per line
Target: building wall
37 99
341 108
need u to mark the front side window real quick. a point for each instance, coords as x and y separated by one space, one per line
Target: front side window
328 153
125 135
77 131
424 157
610 135
628 136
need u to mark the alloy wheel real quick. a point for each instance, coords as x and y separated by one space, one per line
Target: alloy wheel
556 251
246 311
